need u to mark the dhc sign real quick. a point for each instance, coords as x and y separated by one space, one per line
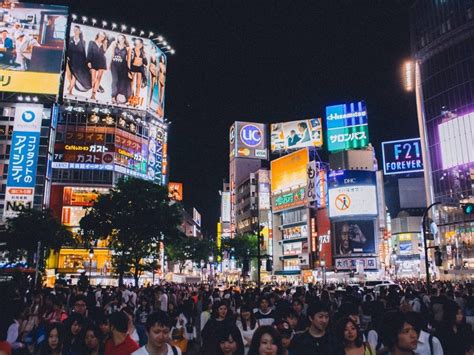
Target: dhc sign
402 156
251 135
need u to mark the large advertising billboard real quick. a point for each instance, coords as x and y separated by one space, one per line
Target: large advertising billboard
456 138
20 188
354 236
296 134
289 171
402 156
31 47
85 148
352 193
248 140
347 126
113 68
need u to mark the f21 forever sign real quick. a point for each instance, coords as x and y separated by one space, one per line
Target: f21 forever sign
402 156
23 162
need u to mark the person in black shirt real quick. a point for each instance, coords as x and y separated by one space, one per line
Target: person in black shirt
264 314
317 339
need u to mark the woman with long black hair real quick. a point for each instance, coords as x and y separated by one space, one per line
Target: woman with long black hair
96 61
77 71
53 343
119 68
138 65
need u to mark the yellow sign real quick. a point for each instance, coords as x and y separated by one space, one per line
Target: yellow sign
29 82
290 170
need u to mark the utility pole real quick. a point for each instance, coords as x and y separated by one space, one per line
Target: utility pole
425 241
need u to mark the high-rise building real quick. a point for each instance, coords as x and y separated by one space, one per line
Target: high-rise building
443 50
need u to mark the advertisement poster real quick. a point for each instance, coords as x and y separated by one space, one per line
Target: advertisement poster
296 135
20 188
347 126
175 191
354 237
31 48
289 171
402 156
456 138
117 69
352 193
248 140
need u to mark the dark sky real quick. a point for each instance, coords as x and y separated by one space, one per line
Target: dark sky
267 61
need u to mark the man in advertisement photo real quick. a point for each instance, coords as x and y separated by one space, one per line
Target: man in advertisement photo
350 238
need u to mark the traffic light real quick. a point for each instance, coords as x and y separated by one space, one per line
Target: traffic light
269 265
468 208
438 255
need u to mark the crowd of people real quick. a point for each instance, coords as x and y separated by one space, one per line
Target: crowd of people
203 319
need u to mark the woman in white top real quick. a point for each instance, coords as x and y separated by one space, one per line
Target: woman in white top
248 324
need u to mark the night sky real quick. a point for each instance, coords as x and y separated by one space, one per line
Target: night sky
267 61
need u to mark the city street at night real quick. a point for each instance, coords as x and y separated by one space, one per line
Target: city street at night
237 177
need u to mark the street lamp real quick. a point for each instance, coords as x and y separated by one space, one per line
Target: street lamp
323 267
91 255
211 260
202 271
425 241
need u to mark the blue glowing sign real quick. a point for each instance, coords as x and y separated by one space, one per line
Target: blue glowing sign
23 159
251 135
402 156
347 126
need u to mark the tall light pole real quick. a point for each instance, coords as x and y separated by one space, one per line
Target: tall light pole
425 241
91 255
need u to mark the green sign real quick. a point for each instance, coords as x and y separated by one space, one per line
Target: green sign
345 138
290 198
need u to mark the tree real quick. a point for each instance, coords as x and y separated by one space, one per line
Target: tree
22 234
242 246
136 216
188 249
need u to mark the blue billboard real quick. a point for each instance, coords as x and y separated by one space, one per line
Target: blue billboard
347 126
402 156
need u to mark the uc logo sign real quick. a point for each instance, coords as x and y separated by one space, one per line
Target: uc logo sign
28 116
251 135
232 135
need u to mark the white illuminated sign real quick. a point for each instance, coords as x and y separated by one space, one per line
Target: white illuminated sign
355 200
456 138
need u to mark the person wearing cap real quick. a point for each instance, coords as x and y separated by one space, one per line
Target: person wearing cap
283 328
24 46
316 339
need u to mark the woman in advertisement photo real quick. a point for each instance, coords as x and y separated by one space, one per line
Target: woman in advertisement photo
153 72
121 87
77 71
161 86
96 61
138 68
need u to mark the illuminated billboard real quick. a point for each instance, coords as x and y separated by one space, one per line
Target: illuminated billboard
352 193
456 138
225 207
296 135
197 217
289 171
85 148
402 156
248 140
116 69
31 48
175 191
347 126
354 237
22 166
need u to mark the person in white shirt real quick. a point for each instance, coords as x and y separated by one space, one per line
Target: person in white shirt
158 327
427 343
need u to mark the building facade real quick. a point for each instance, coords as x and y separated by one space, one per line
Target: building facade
443 50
